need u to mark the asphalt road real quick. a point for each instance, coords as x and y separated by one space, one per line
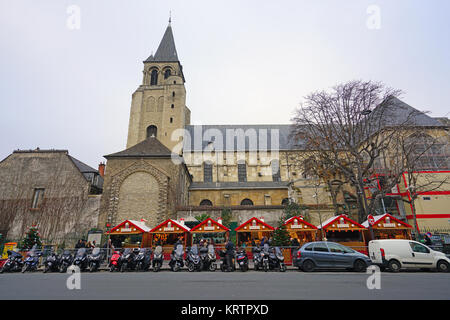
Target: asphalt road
250 285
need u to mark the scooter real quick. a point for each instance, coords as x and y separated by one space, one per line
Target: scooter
31 262
242 259
158 259
114 263
66 259
208 257
257 258
81 260
52 262
193 261
226 259
176 258
127 260
265 257
276 260
143 259
14 262
94 260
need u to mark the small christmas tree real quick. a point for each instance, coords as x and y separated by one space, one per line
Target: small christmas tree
32 237
281 235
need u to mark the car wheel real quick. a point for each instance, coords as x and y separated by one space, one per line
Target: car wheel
308 266
394 266
442 266
359 266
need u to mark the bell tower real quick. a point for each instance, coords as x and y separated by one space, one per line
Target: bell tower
158 106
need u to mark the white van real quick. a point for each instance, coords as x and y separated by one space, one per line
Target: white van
396 254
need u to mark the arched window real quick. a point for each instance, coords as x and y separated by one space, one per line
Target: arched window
275 165
154 77
167 73
246 202
285 202
206 202
242 171
152 131
207 171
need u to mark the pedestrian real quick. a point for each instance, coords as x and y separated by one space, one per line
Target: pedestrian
78 244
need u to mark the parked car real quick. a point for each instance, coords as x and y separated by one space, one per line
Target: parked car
329 255
397 254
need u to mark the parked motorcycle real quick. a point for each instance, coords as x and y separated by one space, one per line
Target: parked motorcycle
242 259
158 259
176 258
208 257
31 262
257 258
14 262
276 259
114 263
226 259
52 262
265 257
94 259
143 259
66 259
193 261
127 260
81 260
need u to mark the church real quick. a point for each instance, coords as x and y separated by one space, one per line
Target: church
173 169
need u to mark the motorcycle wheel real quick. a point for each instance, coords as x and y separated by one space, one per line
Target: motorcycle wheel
156 267
191 267
91 268
212 267
45 269
266 267
283 267
176 268
111 268
123 267
200 267
1 270
24 268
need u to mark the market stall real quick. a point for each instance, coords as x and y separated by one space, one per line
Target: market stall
210 229
387 226
167 234
253 229
343 230
130 234
301 230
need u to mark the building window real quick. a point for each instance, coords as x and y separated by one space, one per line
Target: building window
275 164
152 131
206 202
246 202
172 106
285 202
207 172
171 120
173 94
242 171
154 77
38 197
167 73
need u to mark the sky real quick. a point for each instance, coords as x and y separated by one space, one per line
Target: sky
68 69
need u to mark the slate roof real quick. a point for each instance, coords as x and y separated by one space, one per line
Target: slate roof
150 147
84 168
166 51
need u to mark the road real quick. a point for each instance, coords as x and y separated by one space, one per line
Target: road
167 285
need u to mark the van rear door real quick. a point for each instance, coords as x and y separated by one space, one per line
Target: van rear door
374 252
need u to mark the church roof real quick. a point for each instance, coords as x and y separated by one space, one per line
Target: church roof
166 51
150 147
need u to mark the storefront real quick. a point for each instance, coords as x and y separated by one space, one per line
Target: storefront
130 234
345 231
211 230
387 226
167 234
253 230
301 230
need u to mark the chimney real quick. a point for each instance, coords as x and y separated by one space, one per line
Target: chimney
101 169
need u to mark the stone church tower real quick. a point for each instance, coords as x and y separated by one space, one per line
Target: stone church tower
158 106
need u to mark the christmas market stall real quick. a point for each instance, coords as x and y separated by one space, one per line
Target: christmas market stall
167 234
253 229
212 230
387 226
301 230
130 234
343 230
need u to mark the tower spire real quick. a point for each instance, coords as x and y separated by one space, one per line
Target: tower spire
170 17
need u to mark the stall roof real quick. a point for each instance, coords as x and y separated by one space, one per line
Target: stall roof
138 224
300 219
382 217
213 222
329 221
182 226
258 221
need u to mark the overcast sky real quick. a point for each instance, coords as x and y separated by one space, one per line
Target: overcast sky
245 62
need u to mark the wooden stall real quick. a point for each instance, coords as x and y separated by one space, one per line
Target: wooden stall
130 234
343 230
387 226
167 234
253 229
210 229
301 230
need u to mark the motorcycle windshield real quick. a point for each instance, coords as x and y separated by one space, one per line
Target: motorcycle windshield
179 250
96 251
194 250
266 247
127 251
66 253
158 250
81 252
211 249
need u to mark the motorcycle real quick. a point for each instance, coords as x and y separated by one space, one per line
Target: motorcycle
208 257
127 260
66 259
31 262
52 262
94 260
242 259
114 263
143 259
257 258
81 260
276 260
176 258
265 257
226 259
158 259
193 261
14 262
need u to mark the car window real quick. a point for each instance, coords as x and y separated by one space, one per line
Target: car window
335 247
321 247
417 247
308 247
